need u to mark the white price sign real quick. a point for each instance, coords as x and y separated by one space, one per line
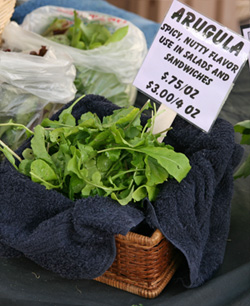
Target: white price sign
192 65
246 33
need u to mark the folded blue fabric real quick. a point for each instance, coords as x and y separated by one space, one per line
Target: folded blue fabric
76 239
148 27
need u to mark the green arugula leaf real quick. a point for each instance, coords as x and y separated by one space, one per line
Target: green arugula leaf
57 134
240 127
145 191
139 179
74 164
138 159
140 193
9 155
68 110
176 164
87 152
122 117
38 145
90 120
123 199
76 33
42 172
24 166
75 186
67 119
113 155
100 139
243 127
103 163
155 173
51 123
28 154
118 35
86 191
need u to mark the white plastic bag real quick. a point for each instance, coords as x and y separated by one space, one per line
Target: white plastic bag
31 87
107 70
50 77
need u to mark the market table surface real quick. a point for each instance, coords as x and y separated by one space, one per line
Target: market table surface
22 282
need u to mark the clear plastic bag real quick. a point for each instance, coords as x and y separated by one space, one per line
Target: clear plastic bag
31 87
108 70
19 106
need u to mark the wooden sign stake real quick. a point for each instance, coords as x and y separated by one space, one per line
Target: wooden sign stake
164 119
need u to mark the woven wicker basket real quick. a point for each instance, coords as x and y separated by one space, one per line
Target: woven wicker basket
143 265
6 11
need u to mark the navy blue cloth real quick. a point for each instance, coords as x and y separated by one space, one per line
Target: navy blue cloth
195 214
148 27
76 239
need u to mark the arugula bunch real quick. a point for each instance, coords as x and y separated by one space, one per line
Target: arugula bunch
117 157
82 36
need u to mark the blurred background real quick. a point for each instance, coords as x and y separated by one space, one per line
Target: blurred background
230 13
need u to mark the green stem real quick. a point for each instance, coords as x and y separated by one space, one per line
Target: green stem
11 151
118 148
103 187
115 164
144 130
69 109
46 183
154 114
127 171
165 131
17 125
138 114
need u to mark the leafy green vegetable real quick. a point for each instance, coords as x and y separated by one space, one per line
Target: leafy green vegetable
82 36
88 36
243 128
9 154
115 157
117 35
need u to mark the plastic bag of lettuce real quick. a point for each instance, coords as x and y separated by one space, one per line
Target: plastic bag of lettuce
33 85
107 51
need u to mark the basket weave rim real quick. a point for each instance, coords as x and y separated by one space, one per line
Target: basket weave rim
6 11
156 237
152 291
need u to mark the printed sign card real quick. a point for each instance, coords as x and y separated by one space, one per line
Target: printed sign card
192 65
246 33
